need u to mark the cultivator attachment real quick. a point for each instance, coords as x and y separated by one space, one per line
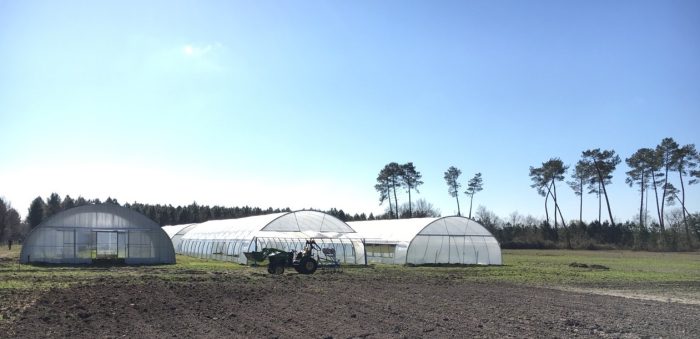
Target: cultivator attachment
329 262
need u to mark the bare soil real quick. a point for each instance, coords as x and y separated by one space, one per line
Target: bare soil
342 305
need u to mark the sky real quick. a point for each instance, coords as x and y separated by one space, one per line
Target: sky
301 103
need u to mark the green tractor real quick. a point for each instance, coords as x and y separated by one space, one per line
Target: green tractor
304 262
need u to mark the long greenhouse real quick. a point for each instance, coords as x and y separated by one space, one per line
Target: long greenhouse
229 239
445 240
98 233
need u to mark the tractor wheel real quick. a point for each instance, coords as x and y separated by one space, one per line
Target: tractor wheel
307 266
275 269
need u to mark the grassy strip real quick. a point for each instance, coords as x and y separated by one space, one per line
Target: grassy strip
552 268
531 267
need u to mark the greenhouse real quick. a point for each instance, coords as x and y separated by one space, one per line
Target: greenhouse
229 239
98 233
446 240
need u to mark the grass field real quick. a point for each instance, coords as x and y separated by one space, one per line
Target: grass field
660 276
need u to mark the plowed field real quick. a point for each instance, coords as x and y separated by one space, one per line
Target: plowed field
358 303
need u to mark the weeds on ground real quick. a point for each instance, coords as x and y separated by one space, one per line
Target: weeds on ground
531 267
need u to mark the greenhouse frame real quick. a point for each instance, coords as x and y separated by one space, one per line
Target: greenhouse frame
229 239
419 241
98 233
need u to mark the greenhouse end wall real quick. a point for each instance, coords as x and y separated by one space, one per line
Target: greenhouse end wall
419 241
93 233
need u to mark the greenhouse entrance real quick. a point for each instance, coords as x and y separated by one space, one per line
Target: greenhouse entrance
110 246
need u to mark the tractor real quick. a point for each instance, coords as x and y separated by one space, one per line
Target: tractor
304 262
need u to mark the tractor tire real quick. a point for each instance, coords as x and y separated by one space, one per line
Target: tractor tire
307 266
275 269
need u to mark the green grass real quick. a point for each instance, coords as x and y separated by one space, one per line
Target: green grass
42 277
530 267
551 268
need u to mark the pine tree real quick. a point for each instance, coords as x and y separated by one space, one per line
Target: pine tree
541 184
451 178
387 181
410 179
67 203
53 205
640 173
603 163
580 176
35 214
474 186
664 152
685 159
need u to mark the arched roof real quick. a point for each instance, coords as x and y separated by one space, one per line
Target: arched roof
311 223
455 225
308 221
100 216
404 230
172 230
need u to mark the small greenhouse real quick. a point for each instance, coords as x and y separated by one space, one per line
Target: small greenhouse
445 240
228 239
95 233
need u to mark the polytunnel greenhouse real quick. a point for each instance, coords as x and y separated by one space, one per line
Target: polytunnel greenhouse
229 239
445 240
98 233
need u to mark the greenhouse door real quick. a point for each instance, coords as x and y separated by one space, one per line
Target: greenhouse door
110 245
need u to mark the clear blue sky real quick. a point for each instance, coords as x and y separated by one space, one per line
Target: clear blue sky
301 103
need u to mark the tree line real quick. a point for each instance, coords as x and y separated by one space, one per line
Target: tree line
40 209
526 232
650 169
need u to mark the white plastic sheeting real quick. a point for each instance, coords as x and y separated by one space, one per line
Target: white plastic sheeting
172 230
176 232
446 240
92 232
229 239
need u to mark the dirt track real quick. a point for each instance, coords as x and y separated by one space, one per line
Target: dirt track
335 305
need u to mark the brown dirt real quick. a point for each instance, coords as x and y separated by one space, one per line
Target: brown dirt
345 305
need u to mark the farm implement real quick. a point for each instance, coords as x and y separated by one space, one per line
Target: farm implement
306 261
